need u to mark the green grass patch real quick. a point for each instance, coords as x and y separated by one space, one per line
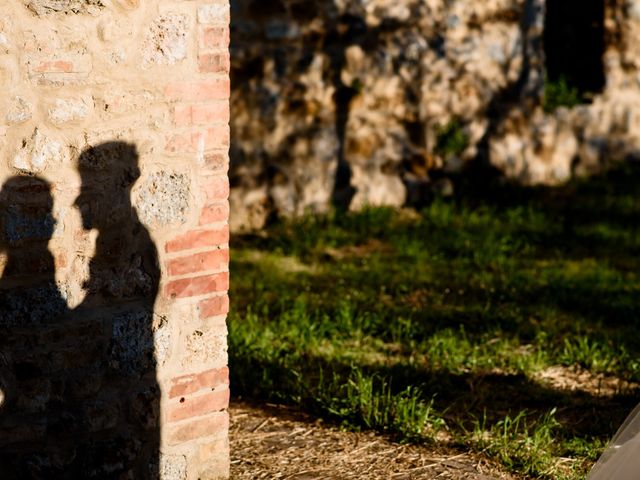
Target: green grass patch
522 444
451 139
417 324
560 93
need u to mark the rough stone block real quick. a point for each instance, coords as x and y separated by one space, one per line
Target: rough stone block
39 152
206 347
166 40
19 110
163 198
218 12
173 467
66 110
46 7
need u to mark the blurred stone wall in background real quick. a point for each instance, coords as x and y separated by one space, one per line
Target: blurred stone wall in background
377 102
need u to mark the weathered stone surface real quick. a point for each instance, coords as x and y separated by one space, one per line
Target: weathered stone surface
206 346
65 110
4 43
39 152
345 102
166 40
163 199
31 306
131 350
19 111
173 467
45 7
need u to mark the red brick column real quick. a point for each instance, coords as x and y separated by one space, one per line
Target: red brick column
197 258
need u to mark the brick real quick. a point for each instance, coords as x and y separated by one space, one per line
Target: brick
193 287
190 407
182 115
218 162
193 142
198 239
215 188
215 212
214 62
211 450
212 38
199 262
213 307
212 89
187 384
186 115
59 66
67 64
216 424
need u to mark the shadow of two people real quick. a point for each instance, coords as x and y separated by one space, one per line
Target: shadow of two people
79 397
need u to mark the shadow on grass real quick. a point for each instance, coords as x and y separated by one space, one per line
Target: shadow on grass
463 397
551 271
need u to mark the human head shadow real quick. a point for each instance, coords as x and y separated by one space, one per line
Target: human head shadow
125 264
121 291
27 225
31 386
95 408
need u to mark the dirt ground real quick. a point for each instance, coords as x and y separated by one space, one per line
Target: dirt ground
274 442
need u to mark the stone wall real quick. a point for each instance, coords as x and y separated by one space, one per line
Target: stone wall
377 102
114 239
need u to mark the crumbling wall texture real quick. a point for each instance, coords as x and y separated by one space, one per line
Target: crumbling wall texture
134 341
343 101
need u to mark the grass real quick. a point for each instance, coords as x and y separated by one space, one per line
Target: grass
451 139
560 93
522 444
434 326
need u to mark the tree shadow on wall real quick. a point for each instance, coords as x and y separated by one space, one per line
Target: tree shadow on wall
81 399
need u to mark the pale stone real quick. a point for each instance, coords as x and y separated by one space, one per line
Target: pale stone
173 467
163 198
65 110
45 7
20 110
213 13
4 43
38 153
206 347
166 40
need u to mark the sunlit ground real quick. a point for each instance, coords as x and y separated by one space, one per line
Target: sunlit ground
504 321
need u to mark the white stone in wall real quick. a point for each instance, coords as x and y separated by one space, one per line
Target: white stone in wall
166 40
39 152
65 110
19 110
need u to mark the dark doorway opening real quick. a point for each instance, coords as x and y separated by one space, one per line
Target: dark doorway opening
574 43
